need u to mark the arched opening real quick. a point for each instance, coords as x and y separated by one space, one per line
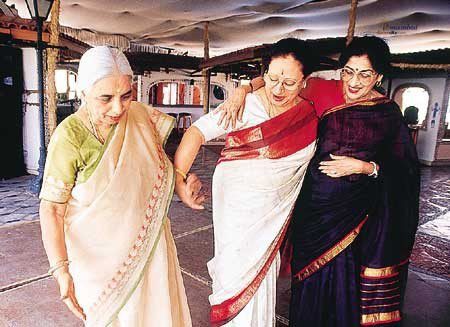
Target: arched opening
184 93
447 121
413 100
65 80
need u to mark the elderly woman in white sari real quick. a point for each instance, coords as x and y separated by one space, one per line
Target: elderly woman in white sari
255 185
107 187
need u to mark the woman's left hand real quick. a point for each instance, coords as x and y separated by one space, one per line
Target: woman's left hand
190 192
341 166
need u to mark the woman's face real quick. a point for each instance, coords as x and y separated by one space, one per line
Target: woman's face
359 78
109 98
283 81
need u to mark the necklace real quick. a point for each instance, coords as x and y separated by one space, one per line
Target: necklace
97 133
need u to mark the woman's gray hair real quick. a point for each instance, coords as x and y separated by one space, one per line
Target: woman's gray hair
98 63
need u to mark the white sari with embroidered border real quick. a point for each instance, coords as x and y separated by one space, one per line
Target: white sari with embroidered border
123 257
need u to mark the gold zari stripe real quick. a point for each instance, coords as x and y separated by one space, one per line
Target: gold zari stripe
379 305
330 254
381 317
380 291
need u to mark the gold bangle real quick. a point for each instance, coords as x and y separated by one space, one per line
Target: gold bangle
181 173
57 266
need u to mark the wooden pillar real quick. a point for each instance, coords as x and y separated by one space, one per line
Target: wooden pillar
52 58
206 72
352 22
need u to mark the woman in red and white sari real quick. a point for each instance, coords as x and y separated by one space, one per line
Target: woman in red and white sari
255 185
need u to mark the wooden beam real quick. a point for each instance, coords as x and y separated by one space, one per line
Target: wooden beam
206 72
72 44
238 56
352 22
25 35
52 58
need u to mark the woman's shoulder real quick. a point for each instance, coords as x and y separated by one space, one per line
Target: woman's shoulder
156 116
70 130
321 82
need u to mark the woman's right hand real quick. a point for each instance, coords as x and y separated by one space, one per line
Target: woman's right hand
67 292
232 109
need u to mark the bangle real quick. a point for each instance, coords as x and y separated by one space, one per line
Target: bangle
374 172
58 265
181 173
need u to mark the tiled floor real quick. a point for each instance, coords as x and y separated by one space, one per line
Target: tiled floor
28 297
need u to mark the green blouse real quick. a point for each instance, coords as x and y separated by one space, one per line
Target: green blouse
73 154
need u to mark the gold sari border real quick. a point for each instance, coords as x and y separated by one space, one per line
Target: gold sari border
371 102
329 255
385 272
380 318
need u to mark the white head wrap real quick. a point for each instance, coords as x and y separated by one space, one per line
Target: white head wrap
98 63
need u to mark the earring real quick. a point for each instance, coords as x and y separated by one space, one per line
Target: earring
304 84
378 84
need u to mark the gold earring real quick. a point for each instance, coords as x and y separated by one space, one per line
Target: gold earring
378 84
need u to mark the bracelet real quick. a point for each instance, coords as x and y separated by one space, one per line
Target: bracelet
58 265
181 173
374 173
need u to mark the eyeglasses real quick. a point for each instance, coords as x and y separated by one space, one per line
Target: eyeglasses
289 84
365 77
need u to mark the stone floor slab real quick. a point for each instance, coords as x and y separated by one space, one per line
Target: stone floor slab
35 305
22 254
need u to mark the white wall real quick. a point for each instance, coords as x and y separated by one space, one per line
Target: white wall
31 141
426 143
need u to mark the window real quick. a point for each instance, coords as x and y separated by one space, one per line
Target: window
413 101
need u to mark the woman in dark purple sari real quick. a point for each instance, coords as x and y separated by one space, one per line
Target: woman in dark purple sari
354 223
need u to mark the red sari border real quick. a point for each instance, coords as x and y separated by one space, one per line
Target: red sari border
226 311
275 138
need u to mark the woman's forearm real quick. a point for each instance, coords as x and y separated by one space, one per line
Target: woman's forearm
188 149
52 229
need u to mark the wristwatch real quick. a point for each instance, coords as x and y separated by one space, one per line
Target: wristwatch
374 173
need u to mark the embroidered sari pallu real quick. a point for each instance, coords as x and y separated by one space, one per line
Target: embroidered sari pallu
352 236
255 185
123 258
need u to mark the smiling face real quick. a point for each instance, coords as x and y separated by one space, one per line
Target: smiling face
109 99
359 78
283 81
